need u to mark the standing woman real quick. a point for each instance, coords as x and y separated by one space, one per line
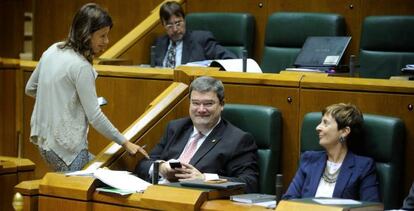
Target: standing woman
336 171
63 85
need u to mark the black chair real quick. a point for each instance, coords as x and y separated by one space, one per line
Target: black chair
265 125
286 33
383 141
235 31
386 45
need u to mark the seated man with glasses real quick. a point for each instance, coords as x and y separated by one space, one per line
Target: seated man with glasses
179 46
207 146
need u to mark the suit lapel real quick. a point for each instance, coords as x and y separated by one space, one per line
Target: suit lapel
212 139
344 175
178 141
316 173
187 44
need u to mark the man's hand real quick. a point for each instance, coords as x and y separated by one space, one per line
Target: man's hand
167 172
188 172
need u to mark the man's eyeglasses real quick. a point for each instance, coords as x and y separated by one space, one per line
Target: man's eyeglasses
176 24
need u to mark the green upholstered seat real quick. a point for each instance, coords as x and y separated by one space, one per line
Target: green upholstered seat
235 31
287 31
386 45
383 141
265 124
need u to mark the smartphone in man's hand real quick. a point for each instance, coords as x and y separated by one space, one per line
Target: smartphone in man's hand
174 164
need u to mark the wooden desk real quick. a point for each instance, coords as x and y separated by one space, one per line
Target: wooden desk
78 193
12 171
310 205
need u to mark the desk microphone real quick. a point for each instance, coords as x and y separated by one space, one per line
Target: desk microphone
279 187
152 56
155 169
244 58
352 60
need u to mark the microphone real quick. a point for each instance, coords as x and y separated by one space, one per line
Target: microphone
152 56
155 168
352 66
279 187
244 58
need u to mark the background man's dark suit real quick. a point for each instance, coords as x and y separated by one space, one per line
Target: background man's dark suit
227 151
197 46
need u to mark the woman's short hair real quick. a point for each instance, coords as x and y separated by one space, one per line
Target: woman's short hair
206 84
347 115
87 20
169 9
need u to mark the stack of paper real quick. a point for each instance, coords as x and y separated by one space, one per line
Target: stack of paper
123 181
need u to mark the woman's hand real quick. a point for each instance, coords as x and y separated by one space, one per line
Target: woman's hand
132 149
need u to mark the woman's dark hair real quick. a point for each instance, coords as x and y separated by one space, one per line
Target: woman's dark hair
89 19
347 115
169 9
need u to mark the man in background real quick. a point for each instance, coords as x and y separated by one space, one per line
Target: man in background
207 146
180 46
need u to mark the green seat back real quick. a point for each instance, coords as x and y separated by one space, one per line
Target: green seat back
287 31
235 31
386 45
383 141
265 125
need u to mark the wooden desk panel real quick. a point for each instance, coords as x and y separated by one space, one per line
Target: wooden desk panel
12 171
8 134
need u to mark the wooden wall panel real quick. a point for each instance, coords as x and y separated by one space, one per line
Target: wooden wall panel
372 103
8 181
52 19
386 7
11 25
51 25
8 136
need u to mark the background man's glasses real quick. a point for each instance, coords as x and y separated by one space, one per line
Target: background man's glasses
176 24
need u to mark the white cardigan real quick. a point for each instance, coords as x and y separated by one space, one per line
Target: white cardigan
63 84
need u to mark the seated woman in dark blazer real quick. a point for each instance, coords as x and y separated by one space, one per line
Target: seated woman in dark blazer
336 172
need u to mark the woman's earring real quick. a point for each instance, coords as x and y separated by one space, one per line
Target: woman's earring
341 139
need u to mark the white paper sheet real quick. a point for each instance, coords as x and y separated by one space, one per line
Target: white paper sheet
336 201
122 180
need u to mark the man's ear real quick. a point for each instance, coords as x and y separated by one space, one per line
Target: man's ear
346 131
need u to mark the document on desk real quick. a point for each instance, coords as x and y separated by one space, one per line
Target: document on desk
122 180
336 201
236 65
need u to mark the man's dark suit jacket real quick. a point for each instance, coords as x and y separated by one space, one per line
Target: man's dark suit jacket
356 180
197 46
227 151
409 200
